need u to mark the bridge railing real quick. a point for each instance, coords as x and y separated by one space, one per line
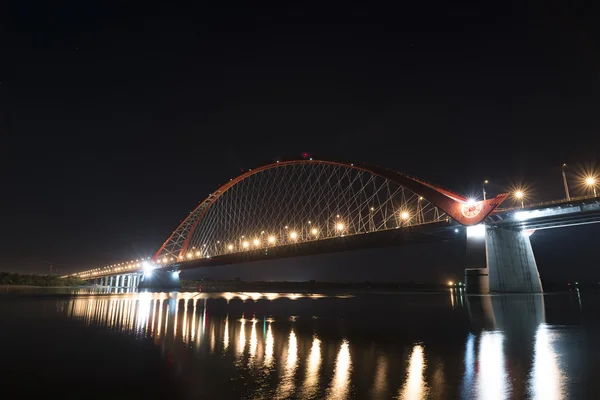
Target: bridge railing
545 203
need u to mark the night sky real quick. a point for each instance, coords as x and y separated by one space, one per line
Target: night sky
116 119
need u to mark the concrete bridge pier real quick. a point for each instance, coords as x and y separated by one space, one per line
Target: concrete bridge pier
500 260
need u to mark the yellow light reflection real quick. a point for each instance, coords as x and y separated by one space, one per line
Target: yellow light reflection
144 310
285 390
226 334
194 321
184 330
175 318
160 308
253 339
547 379
340 384
242 337
269 347
415 386
492 380
311 381
212 339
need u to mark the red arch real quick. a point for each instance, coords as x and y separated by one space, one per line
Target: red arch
455 205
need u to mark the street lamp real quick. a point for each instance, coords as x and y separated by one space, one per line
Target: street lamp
519 195
565 181
484 183
404 215
591 182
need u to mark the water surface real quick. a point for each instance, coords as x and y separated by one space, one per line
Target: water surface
280 346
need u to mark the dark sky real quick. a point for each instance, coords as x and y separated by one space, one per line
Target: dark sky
117 118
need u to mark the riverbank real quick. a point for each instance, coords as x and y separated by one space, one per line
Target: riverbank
15 279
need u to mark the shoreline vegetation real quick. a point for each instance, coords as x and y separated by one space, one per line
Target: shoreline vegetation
31 280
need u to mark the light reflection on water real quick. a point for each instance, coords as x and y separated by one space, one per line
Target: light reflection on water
300 358
340 385
415 387
547 379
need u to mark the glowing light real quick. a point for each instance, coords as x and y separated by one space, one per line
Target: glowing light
450 283
339 226
271 239
590 181
340 384
547 378
245 244
314 231
311 381
492 382
415 386
197 254
147 267
242 338
253 339
293 235
230 247
256 242
519 194
476 231
471 202
404 215
189 255
269 344
287 380
226 334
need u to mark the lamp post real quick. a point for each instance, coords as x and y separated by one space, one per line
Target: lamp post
484 183
519 196
591 182
565 181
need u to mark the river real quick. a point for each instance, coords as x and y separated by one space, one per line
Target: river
80 344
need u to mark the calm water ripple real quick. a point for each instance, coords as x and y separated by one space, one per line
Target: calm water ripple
378 346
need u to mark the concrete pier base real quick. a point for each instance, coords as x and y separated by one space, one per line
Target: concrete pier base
159 279
510 261
500 260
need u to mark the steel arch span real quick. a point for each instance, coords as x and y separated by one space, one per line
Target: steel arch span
296 201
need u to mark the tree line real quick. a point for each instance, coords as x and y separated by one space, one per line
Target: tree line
7 278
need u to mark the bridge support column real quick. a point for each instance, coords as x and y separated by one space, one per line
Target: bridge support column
510 260
500 260
160 279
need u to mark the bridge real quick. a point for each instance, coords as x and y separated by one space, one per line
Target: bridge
300 207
